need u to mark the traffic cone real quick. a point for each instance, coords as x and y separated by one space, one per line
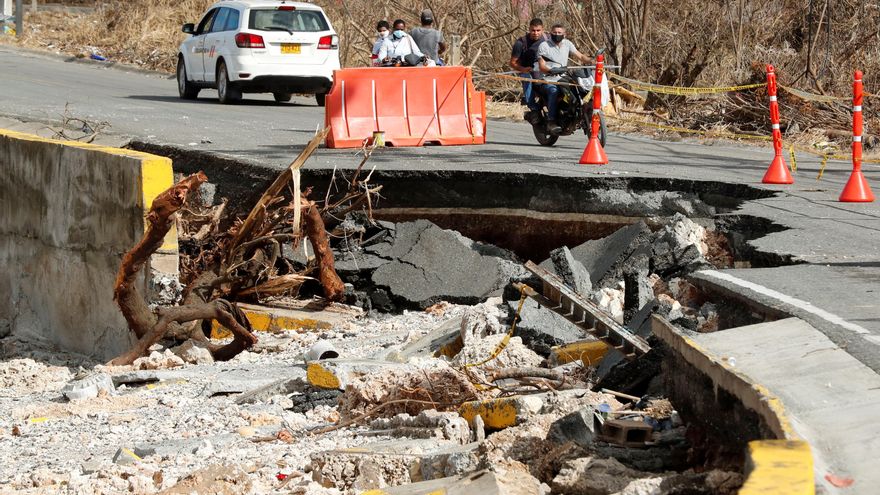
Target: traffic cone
857 189
593 153
778 172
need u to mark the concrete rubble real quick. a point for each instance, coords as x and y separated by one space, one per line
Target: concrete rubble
428 389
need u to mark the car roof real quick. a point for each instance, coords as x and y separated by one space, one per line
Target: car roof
266 3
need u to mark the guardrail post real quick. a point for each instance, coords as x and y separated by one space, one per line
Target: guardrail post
856 189
593 153
778 172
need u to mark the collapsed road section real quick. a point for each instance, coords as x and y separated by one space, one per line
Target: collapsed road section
365 332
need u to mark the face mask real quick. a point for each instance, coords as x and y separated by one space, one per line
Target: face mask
398 34
383 34
557 37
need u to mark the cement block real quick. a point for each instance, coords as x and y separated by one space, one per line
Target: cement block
590 352
62 243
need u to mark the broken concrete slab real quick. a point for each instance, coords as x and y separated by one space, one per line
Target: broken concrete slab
193 353
427 424
541 329
508 482
430 265
88 386
482 320
503 412
450 461
577 427
637 293
605 258
283 386
373 465
125 457
301 318
679 248
338 373
572 271
443 337
593 476
172 447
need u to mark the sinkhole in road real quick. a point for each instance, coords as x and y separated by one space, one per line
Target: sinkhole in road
530 215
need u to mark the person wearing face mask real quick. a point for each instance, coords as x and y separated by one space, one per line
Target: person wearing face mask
383 31
554 54
399 45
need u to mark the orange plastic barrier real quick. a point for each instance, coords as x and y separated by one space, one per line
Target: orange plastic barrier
413 106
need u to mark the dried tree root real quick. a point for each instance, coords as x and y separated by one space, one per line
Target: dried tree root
160 218
147 327
313 225
222 311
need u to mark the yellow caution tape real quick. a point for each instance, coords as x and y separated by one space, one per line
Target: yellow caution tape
680 90
501 345
41 419
793 159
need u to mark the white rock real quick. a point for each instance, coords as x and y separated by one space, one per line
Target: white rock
193 353
157 361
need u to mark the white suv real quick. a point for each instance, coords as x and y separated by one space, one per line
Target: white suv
259 46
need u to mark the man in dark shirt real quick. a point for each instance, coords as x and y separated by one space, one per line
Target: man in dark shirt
523 58
429 40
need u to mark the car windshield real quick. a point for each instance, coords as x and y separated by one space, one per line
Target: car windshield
288 20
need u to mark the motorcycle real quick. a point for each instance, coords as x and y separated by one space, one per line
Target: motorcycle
411 60
574 110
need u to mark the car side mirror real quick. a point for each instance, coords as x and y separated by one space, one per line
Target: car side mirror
189 28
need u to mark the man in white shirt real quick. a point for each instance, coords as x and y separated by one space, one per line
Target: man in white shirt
399 44
553 54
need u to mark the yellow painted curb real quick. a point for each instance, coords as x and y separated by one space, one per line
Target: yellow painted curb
321 377
268 321
496 413
779 467
590 352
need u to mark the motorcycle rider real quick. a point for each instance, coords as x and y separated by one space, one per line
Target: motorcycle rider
553 54
383 30
400 44
522 59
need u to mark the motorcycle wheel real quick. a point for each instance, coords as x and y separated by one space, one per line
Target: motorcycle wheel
544 138
602 129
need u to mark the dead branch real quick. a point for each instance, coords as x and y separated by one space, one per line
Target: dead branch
160 219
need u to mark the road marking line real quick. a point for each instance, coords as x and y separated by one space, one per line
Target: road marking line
793 301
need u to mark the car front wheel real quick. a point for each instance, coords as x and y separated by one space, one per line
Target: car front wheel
321 98
226 92
282 97
187 90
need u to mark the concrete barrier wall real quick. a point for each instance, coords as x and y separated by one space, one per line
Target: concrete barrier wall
68 213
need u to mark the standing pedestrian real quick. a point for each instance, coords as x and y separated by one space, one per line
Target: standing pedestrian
429 40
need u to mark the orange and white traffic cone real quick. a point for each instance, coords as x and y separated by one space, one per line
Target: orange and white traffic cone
857 189
593 153
778 172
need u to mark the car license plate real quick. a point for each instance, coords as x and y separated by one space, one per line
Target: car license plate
290 48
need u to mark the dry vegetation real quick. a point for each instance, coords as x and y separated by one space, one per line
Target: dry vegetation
815 45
